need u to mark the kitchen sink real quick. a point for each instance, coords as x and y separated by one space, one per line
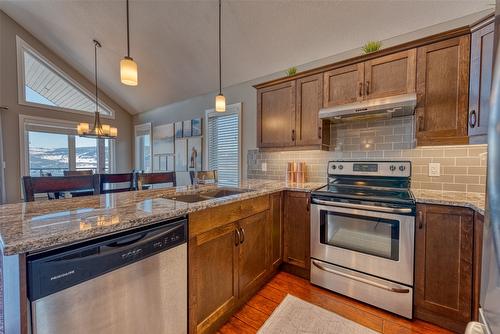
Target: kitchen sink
223 192
207 195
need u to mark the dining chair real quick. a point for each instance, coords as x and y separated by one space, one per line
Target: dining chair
114 183
204 177
145 179
58 184
78 172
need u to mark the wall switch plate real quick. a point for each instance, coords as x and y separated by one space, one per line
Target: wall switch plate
434 169
263 166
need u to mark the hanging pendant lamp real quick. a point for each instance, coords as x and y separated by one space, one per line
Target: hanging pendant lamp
220 100
128 67
98 130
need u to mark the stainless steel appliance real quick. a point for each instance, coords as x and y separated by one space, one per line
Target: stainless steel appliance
490 272
362 233
130 283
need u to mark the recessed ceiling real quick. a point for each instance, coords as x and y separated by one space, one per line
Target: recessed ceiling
175 42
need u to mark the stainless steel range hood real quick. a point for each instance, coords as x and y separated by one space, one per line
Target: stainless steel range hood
386 107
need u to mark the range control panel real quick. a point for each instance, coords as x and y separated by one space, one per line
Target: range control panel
370 168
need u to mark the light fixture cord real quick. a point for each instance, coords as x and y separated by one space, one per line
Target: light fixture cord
220 49
96 44
128 32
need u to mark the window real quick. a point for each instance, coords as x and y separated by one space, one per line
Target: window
50 147
43 84
223 144
143 147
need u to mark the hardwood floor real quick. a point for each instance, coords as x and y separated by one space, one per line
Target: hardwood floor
254 313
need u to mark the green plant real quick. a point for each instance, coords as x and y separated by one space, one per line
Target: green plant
291 71
371 46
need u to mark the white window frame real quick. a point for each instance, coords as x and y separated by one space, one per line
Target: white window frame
22 47
230 109
141 128
66 127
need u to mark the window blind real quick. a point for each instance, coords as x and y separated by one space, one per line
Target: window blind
223 147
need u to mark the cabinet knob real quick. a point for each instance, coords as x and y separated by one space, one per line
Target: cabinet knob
293 135
472 119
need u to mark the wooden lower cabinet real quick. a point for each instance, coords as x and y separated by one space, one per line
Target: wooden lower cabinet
296 230
231 255
445 256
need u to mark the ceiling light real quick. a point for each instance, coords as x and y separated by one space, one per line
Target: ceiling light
98 130
220 100
128 67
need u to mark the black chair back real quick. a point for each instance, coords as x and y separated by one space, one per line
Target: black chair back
144 179
106 182
57 184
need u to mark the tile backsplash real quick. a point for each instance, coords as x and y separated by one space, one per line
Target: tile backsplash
463 167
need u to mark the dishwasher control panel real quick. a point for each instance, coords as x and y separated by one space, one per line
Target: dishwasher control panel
62 269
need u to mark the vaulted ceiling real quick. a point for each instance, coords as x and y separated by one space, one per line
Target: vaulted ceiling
175 42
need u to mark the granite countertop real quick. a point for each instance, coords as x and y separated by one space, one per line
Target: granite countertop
475 201
35 226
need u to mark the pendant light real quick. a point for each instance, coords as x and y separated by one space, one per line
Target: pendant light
128 67
220 100
98 130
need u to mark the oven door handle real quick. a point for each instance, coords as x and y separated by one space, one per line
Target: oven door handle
362 206
360 279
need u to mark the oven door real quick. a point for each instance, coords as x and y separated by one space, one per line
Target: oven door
356 237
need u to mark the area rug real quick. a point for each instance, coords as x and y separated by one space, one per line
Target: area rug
294 315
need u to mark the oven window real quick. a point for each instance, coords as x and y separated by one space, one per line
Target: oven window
369 235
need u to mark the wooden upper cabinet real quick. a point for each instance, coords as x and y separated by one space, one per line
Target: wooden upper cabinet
390 75
276 115
343 85
442 92
481 68
444 265
253 251
308 126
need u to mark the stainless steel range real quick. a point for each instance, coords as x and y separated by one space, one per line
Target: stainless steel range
362 233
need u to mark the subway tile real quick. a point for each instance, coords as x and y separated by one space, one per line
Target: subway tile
431 186
455 170
476 188
445 161
382 147
454 187
468 162
476 151
432 153
467 179
482 179
455 152
476 170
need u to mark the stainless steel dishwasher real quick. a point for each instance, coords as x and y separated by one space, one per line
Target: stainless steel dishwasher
130 283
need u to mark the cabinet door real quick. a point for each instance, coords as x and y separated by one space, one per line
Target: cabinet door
443 265
442 92
276 212
276 115
213 277
343 85
309 100
296 229
391 75
253 251
481 68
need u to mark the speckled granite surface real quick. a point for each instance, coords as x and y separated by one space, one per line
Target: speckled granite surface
28 227
475 201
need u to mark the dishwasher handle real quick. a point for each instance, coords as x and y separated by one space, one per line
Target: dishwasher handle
55 272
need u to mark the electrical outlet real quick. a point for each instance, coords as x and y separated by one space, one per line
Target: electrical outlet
263 166
434 169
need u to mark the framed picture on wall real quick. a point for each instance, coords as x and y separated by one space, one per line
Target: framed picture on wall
163 139
194 147
181 161
196 127
178 129
186 129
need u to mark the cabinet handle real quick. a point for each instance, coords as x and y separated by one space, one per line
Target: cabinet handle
472 119
308 207
367 87
420 220
360 93
420 123
242 239
319 132
237 236
293 135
